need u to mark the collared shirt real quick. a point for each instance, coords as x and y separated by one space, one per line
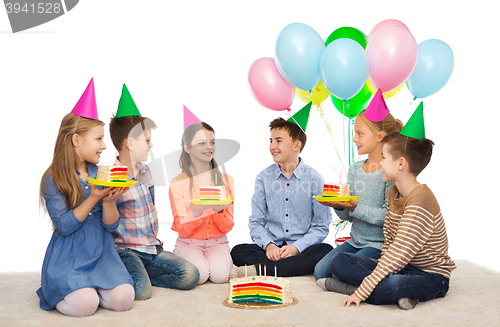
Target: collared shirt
64 220
209 224
138 227
284 209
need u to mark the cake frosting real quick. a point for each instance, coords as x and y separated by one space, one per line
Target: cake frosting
213 193
336 189
260 289
112 174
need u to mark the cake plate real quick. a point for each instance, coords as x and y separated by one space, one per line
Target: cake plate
257 305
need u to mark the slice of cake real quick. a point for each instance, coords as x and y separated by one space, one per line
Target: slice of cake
260 289
336 189
112 174
213 193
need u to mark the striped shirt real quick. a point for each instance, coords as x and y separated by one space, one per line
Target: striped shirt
415 234
138 227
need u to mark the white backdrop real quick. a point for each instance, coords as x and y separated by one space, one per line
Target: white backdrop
198 53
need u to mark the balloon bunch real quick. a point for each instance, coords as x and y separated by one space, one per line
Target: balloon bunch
349 66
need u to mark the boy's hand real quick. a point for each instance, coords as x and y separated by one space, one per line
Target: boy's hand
273 252
350 300
288 251
114 194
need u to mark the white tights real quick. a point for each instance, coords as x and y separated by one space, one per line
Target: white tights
84 302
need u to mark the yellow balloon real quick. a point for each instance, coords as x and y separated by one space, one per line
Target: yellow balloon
387 95
319 91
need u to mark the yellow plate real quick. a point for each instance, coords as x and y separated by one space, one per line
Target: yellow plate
199 202
321 198
104 183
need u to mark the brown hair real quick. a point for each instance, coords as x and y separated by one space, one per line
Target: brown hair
294 130
121 128
417 152
185 158
388 125
63 166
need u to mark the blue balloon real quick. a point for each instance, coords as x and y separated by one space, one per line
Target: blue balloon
298 50
434 67
344 68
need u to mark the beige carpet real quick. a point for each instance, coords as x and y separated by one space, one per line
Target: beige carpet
472 300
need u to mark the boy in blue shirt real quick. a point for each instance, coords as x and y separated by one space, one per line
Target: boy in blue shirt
287 224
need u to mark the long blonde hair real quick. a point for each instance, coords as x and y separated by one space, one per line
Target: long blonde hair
388 125
63 166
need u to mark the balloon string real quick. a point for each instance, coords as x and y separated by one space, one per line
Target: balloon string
318 107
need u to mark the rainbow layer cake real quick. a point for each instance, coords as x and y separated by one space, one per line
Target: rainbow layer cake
112 174
336 189
260 289
213 193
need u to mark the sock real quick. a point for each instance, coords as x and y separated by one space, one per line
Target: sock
237 272
407 304
334 285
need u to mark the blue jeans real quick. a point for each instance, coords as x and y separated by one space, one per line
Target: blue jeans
322 269
410 282
164 269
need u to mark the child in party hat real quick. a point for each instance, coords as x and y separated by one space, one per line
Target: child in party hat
287 225
136 238
365 180
81 269
414 265
202 228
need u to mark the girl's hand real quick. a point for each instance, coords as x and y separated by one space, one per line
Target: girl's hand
198 210
114 194
351 205
98 193
350 300
219 208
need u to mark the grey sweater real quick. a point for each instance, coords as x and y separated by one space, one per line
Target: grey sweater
368 217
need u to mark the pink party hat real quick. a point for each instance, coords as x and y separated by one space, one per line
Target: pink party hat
377 109
189 118
86 107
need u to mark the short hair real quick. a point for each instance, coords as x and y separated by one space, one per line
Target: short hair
121 128
417 152
294 130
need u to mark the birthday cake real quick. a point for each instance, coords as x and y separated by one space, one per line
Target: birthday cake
336 189
213 193
260 289
112 174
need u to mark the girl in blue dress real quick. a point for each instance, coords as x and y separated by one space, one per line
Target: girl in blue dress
81 269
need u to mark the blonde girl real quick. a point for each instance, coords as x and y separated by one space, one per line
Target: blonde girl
365 180
81 269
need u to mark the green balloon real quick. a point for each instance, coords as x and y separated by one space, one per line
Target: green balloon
357 103
347 33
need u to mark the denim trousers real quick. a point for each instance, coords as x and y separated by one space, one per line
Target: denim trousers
322 269
298 265
164 269
410 282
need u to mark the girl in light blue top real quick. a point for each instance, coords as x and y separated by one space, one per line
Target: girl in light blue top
365 180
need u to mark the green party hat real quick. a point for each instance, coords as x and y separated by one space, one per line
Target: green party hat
126 106
301 117
415 126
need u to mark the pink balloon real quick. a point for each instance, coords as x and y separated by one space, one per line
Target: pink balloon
269 88
384 23
392 55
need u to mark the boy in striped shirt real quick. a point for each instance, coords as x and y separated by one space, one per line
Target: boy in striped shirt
414 264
